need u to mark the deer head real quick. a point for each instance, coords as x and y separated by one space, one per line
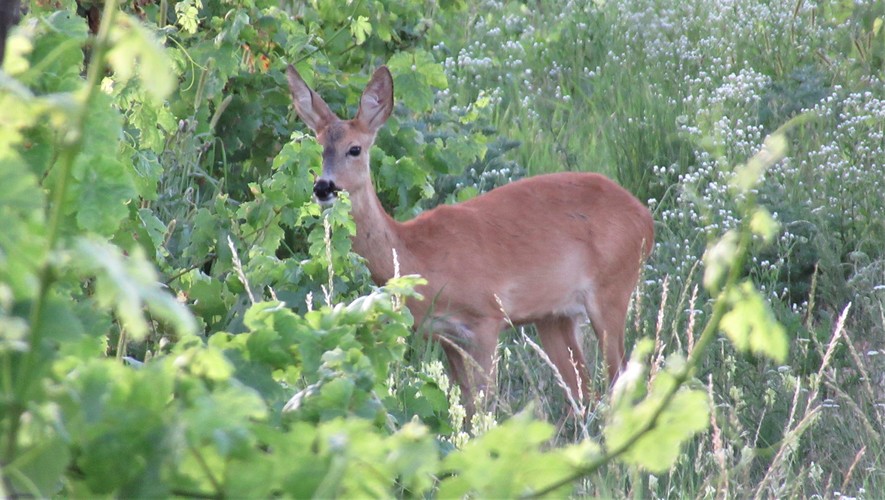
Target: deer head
346 143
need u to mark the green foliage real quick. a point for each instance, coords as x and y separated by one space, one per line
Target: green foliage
508 462
752 326
178 318
638 406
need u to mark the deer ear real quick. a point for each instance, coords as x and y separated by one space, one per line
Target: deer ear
377 100
312 109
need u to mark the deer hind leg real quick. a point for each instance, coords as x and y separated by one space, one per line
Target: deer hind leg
561 341
608 314
471 350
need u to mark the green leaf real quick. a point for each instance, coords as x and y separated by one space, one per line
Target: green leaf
42 465
718 259
205 362
360 28
223 419
57 55
749 175
764 225
105 187
129 285
751 325
21 192
506 462
413 457
118 420
18 47
134 51
100 185
415 75
188 12
59 323
414 92
687 413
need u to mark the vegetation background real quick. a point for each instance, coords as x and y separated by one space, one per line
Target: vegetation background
177 317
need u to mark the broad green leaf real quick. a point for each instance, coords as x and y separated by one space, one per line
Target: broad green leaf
154 229
751 325
42 464
414 457
129 284
18 48
415 75
57 55
687 413
188 12
236 20
14 330
413 91
59 323
205 362
360 28
135 50
223 419
505 462
21 191
155 124
117 419
105 188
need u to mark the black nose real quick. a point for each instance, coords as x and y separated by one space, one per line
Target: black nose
324 189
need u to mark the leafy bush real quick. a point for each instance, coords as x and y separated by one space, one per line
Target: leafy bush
178 318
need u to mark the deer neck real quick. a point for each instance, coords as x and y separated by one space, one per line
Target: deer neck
377 234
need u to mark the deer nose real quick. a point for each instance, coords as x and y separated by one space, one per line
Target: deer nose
324 190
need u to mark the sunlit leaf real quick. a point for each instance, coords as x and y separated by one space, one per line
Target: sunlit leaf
505 462
718 259
135 51
687 413
763 224
360 28
751 325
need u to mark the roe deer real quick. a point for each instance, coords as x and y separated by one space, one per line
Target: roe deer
549 250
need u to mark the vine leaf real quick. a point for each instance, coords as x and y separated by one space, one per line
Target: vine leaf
129 284
361 29
635 406
415 76
751 324
508 461
136 51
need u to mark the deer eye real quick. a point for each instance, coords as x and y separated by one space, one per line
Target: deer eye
354 151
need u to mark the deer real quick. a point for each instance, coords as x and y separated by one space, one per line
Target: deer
551 250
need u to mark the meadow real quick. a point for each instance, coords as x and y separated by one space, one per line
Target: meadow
179 318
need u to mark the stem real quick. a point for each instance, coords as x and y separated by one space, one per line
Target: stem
121 344
70 147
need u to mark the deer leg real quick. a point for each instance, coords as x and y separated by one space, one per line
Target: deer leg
608 315
561 341
471 353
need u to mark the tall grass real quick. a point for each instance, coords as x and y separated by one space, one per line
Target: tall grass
666 96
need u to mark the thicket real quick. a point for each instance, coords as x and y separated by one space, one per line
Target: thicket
177 317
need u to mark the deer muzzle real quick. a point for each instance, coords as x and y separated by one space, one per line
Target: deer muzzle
324 190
